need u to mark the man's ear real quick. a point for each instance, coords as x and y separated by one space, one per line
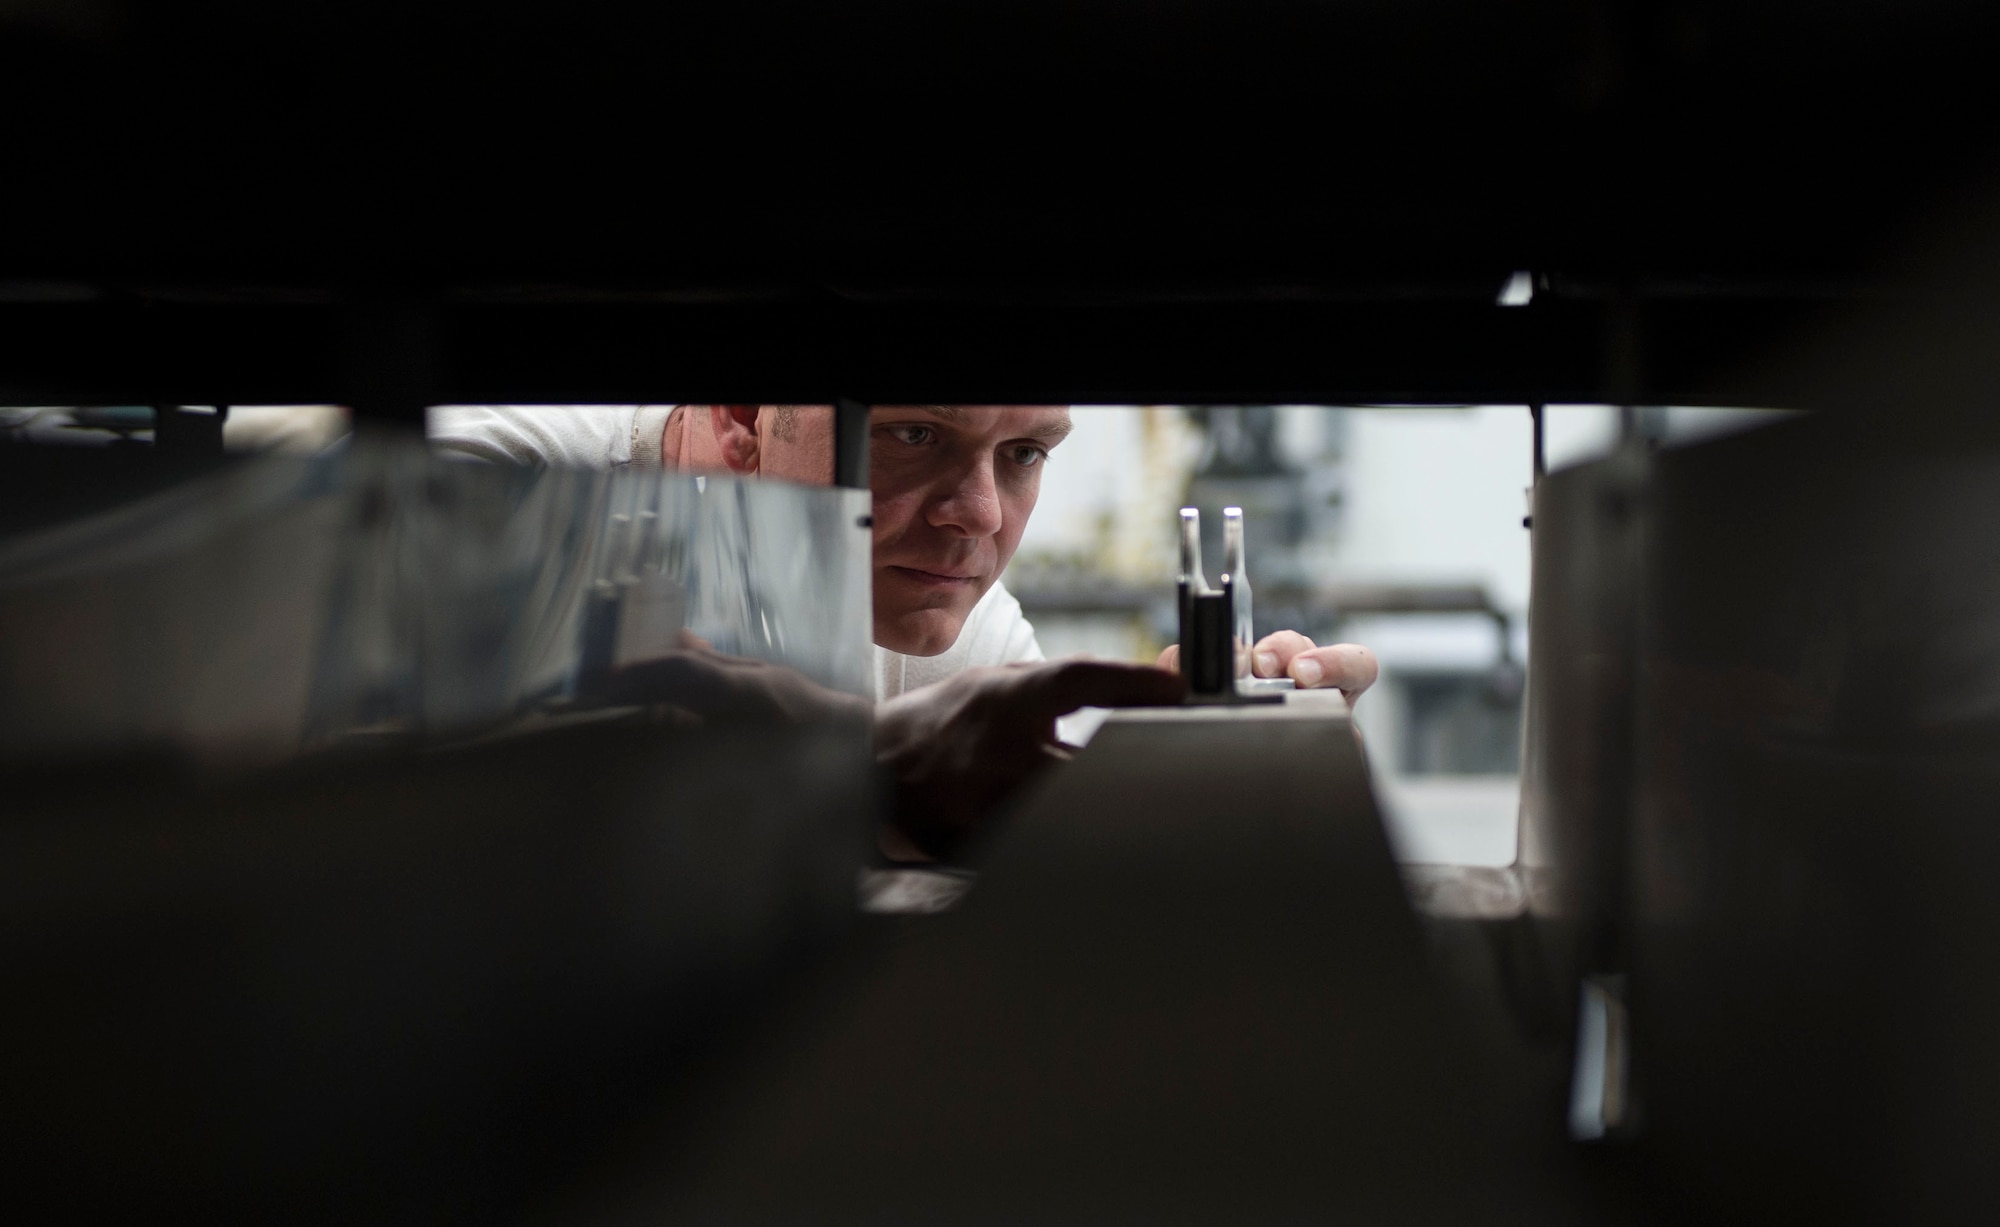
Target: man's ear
736 435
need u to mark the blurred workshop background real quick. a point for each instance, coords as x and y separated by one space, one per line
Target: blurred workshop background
1396 527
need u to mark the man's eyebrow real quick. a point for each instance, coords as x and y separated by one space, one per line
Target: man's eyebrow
958 415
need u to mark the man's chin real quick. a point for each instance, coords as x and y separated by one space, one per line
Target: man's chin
919 618
927 632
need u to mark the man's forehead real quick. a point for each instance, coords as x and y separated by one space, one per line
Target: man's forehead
1035 421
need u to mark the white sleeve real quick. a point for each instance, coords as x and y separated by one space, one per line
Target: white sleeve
560 436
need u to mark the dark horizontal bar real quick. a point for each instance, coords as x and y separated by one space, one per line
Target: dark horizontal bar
1683 352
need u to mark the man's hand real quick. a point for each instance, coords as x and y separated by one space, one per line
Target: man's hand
705 687
1348 666
964 745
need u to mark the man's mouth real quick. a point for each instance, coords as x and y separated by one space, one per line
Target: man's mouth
935 578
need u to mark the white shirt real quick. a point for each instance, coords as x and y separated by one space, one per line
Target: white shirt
628 436
560 436
994 633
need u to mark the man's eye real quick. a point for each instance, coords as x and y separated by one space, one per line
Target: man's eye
916 436
1028 457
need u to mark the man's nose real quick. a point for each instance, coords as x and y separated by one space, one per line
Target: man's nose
969 501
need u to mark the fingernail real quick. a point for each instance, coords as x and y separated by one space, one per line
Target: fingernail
1307 672
1267 664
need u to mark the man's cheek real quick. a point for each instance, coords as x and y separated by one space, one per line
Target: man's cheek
890 515
1014 523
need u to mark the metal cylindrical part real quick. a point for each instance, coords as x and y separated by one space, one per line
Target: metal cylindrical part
1236 582
1191 572
1232 541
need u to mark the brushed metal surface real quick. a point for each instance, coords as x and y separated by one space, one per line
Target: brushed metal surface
1576 763
281 605
1816 1027
1187 987
398 987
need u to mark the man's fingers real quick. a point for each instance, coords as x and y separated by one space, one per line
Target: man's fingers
1275 652
731 686
695 680
1349 666
1170 658
1052 690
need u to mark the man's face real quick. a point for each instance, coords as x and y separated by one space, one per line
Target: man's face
953 487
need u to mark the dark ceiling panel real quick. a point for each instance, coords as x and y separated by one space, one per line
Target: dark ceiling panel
1339 143
1092 199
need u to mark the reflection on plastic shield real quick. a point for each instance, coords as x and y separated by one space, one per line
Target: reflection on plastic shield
282 605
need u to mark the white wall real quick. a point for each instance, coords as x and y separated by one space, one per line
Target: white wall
1111 489
1437 495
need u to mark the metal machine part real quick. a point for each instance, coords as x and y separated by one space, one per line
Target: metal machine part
1206 622
1196 990
400 986
1236 581
1757 833
279 605
1216 633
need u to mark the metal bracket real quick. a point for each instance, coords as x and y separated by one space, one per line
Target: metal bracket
1216 632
